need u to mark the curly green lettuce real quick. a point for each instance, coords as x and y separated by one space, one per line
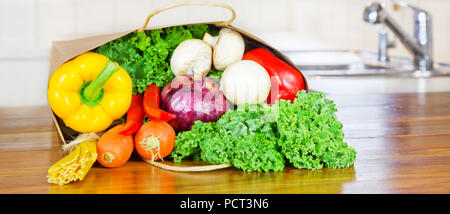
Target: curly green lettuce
305 133
257 153
146 55
311 137
241 137
187 143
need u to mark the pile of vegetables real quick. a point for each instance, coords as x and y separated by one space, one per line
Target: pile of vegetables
218 104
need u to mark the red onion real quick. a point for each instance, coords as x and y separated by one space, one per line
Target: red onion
193 100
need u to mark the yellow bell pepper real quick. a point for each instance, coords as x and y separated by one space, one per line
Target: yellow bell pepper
89 92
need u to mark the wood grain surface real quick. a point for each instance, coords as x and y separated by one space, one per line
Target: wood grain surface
402 143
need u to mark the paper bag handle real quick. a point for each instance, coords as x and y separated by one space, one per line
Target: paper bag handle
197 3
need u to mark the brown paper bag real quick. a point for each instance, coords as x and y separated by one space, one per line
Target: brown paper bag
62 51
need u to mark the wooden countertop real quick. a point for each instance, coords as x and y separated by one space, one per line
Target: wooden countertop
402 143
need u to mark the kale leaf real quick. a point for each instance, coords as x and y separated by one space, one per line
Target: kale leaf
311 137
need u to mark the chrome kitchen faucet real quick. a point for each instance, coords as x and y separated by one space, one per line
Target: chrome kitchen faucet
420 46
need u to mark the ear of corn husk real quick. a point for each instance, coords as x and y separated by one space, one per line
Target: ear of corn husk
77 163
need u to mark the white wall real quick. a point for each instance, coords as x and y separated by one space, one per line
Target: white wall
27 28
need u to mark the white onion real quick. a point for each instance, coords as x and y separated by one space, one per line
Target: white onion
245 82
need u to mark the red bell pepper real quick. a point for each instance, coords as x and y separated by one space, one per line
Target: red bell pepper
286 81
151 105
135 116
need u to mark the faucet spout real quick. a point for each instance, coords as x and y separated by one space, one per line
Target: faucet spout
419 45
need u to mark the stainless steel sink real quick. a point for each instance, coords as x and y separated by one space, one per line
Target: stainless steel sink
352 71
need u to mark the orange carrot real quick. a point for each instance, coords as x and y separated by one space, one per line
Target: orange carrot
155 140
114 149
